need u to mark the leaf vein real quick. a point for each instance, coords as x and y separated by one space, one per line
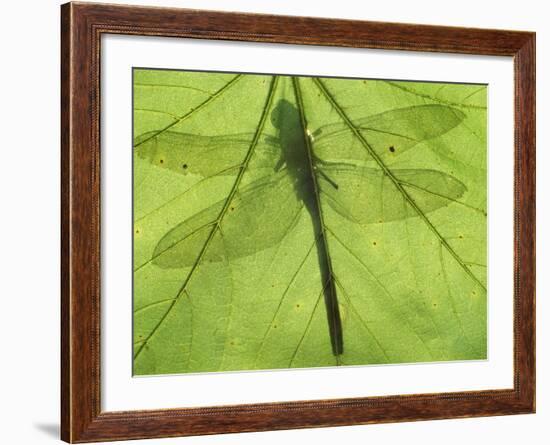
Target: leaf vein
394 180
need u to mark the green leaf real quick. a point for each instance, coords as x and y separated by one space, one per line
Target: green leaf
287 222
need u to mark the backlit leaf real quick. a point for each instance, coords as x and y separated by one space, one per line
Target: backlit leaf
287 222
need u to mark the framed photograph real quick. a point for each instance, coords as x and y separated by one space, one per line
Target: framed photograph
276 222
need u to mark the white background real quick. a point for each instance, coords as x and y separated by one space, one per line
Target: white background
29 233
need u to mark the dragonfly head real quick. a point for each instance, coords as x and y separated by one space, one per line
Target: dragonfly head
285 116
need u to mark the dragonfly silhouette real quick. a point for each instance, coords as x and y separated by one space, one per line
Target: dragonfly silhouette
300 169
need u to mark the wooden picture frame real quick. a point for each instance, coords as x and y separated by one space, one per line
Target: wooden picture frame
82 25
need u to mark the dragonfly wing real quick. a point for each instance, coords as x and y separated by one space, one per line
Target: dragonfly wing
389 134
367 195
203 155
257 217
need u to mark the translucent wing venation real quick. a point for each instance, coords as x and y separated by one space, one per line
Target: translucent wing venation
262 212
367 195
202 155
390 133
257 217
268 209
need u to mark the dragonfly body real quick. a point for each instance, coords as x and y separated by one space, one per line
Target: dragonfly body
297 157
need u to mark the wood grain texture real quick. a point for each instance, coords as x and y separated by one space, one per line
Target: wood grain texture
81 28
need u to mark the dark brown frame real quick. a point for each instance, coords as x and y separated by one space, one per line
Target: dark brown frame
82 25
